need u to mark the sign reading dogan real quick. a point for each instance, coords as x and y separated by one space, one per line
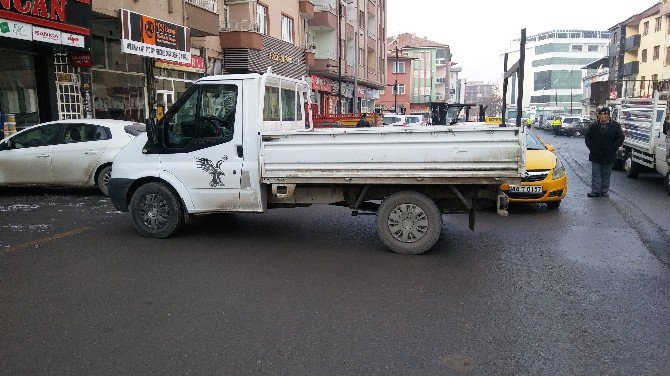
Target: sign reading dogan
147 36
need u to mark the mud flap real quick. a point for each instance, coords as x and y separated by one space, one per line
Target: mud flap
502 204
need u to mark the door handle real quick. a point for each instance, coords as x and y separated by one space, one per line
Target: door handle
42 156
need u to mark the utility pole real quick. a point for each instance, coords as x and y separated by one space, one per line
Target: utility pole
570 92
356 61
395 86
339 57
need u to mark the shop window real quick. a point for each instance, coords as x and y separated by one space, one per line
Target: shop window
18 90
118 96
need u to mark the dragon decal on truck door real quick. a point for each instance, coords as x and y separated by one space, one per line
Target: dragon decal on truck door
207 166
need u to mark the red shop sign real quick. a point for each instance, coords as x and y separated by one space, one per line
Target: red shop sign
81 59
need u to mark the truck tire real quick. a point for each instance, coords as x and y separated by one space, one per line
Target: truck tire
156 211
103 180
409 223
631 167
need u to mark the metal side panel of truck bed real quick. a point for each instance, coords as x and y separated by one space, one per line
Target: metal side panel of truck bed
473 154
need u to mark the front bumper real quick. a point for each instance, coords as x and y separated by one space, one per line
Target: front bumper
552 190
118 192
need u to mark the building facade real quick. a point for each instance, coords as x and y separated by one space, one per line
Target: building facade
553 74
38 41
396 96
349 54
429 71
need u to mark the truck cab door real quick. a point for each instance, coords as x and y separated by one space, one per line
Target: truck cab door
201 136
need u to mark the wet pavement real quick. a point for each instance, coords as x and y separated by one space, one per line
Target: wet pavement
581 290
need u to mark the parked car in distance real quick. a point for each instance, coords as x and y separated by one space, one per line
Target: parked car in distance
576 129
394 120
413 120
568 125
545 180
72 153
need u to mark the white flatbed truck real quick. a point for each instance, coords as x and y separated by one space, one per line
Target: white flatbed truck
241 143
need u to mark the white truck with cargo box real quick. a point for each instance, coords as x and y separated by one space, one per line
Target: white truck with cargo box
244 143
645 146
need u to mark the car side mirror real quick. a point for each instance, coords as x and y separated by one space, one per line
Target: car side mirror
550 147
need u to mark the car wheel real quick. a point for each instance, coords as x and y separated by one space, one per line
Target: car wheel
103 180
156 211
409 223
631 167
577 134
553 205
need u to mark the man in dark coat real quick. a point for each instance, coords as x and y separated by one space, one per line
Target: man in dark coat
363 123
603 139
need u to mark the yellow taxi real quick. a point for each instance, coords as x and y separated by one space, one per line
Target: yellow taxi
545 180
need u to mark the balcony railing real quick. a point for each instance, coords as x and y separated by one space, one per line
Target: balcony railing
326 6
244 25
309 44
631 43
210 5
631 68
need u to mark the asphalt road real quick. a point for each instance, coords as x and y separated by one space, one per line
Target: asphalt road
584 290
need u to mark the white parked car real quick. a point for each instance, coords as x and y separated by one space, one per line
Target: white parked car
76 153
413 120
394 120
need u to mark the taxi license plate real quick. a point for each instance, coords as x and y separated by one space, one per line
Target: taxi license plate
525 189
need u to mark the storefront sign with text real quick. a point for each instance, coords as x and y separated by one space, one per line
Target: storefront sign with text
151 37
73 16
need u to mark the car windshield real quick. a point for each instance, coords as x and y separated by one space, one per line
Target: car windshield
569 120
533 142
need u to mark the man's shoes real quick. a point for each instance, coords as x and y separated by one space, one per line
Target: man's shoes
604 194
594 194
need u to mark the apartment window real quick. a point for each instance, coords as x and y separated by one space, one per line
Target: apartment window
654 77
399 67
658 24
667 56
576 48
616 38
668 23
361 19
361 57
262 18
657 52
593 48
644 55
416 91
645 28
426 91
287 28
400 89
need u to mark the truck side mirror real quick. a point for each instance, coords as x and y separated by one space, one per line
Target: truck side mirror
550 147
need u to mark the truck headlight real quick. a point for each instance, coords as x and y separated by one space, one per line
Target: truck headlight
559 170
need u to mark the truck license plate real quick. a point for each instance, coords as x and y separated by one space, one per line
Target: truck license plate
525 189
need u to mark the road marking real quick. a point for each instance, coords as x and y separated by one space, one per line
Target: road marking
45 240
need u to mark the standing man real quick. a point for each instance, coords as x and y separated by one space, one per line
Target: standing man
603 139
363 123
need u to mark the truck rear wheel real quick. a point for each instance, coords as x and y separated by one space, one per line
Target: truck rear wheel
156 211
409 223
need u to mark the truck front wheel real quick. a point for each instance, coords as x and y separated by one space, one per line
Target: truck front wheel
409 223
156 211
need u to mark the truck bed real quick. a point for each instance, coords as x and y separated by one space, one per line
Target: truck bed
460 154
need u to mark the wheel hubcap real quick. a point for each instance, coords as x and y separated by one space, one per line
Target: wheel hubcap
153 211
629 164
408 223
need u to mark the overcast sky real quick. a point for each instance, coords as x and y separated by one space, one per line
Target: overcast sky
478 30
